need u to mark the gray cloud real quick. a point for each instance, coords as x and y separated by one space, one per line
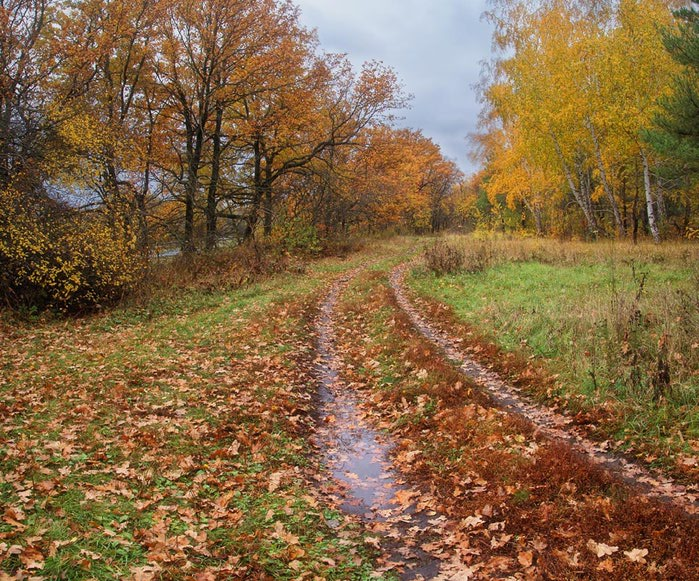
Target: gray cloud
435 47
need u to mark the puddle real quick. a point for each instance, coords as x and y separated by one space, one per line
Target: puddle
357 457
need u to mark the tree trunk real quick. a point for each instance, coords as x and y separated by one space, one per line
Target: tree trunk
141 209
212 193
634 209
662 208
536 213
652 221
605 182
624 209
257 191
191 187
5 141
578 194
268 201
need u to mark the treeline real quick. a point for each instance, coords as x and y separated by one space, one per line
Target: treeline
590 126
128 126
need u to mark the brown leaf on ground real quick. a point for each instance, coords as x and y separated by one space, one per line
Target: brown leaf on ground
525 558
600 549
636 555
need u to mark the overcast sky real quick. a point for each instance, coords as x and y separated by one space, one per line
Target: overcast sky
435 46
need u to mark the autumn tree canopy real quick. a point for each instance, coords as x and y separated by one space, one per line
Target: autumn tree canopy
569 99
157 123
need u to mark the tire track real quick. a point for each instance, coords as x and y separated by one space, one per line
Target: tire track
553 425
358 458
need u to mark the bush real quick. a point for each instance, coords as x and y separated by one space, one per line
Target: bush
222 269
442 258
52 256
297 236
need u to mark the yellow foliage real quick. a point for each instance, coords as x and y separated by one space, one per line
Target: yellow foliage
59 258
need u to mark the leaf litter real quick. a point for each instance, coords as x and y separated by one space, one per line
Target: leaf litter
365 482
172 446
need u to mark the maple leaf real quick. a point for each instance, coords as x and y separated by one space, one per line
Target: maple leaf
274 481
32 558
606 565
145 573
539 544
525 558
473 521
405 497
281 533
13 515
465 574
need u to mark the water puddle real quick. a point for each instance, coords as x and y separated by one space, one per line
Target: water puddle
358 458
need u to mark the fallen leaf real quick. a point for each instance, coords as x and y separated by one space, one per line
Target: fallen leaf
32 558
600 549
472 521
539 545
637 555
405 497
606 565
525 558
295 565
274 481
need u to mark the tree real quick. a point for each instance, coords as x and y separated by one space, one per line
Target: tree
324 109
572 91
677 133
116 64
29 56
203 50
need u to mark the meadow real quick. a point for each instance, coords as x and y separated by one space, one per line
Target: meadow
171 437
614 323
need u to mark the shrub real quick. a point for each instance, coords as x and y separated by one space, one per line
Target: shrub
53 256
442 258
222 269
297 236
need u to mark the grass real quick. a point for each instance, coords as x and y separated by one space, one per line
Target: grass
604 319
169 439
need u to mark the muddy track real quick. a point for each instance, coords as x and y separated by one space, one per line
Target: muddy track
364 482
547 422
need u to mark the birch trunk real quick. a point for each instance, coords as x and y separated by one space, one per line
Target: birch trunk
652 221
584 204
605 182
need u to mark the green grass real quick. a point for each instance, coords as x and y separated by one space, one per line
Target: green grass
128 417
597 316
